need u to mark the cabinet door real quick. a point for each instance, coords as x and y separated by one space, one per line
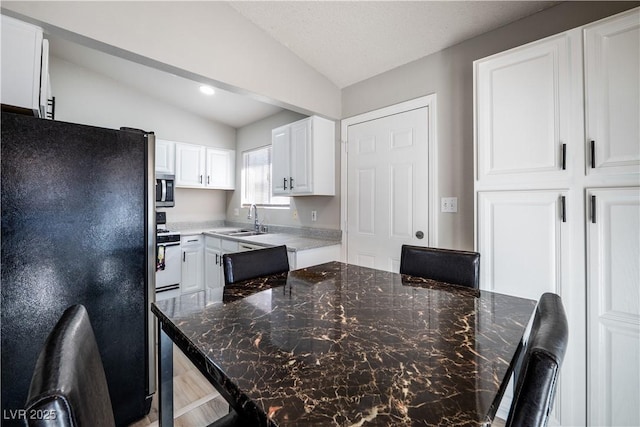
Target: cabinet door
165 156
21 63
280 161
212 266
614 307
190 160
520 236
612 67
301 160
220 169
524 247
192 272
523 111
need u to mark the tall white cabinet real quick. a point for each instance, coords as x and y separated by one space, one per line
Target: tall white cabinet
556 122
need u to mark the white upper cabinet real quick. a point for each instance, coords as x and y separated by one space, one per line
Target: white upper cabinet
25 67
523 101
198 166
190 163
281 160
612 83
304 158
165 157
220 168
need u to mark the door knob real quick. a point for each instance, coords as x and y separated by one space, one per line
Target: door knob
419 234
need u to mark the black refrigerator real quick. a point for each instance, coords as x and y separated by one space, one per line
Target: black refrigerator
77 227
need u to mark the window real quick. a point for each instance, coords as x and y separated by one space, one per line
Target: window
256 179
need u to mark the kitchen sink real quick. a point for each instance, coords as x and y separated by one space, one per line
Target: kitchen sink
240 233
244 233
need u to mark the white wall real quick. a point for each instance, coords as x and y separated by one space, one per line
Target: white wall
449 74
208 40
83 96
258 134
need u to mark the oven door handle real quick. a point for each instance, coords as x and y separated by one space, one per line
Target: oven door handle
169 244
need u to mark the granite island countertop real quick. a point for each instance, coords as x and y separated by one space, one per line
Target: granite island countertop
338 345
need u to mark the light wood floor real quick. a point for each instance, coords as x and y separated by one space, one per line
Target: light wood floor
195 401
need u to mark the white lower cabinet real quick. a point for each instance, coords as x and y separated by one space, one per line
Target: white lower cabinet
522 231
192 264
215 247
613 283
315 256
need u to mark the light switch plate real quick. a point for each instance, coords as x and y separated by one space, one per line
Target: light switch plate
449 204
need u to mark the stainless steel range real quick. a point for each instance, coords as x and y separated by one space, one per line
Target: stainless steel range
168 263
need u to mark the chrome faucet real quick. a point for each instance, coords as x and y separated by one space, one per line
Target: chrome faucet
256 224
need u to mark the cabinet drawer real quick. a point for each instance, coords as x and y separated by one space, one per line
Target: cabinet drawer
191 240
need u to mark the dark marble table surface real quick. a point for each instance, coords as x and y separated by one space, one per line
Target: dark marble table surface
342 345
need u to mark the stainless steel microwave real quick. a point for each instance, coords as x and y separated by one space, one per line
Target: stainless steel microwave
165 191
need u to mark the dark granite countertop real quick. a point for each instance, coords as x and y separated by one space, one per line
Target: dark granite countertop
341 345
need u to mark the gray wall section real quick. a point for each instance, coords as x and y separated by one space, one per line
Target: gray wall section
449 74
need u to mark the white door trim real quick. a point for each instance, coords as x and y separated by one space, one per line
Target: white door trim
424 101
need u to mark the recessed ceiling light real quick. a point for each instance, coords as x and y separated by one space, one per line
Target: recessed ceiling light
207 90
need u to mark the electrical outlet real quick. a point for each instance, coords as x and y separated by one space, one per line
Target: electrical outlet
236 212
449 204
295 214
314 215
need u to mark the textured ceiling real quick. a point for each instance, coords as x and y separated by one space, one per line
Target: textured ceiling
346 41
350 41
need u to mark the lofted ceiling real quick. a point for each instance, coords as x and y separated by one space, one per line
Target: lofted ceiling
350 41
346 41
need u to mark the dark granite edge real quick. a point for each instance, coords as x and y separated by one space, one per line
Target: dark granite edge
240 402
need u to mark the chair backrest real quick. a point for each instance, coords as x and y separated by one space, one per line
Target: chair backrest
241 266
540 364
445 265
69 379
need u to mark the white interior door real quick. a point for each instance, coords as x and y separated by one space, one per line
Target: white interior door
388 188
614 307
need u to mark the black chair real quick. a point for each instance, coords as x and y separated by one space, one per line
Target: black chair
241 266
69 386
444 265
69 380
537 376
